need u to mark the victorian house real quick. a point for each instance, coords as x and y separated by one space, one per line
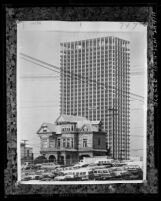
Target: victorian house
71 138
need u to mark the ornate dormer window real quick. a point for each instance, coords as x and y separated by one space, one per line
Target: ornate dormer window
44 127
85 128
44 130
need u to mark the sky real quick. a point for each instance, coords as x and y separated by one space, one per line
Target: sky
38 91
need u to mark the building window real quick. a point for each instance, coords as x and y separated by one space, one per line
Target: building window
44 129
44 143
72 144
99 141
58 143
84 142
51 142
64 143
68 142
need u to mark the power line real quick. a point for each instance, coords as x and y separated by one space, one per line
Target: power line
136 74
137 67
136 149
53 76
70 74
39 106
37 76
36 101
137 109
108 86
40 61
39 65
136 99
137 127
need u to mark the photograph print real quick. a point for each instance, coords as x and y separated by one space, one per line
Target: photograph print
81 102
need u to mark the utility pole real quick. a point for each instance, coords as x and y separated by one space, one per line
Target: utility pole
113 110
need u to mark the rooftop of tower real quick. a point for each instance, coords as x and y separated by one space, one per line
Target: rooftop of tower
68 42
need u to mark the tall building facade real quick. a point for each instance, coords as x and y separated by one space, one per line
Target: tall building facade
95 83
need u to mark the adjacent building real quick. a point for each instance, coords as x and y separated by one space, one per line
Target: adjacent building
95 83
71 138
26 153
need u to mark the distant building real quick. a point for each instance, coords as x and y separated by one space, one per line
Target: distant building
71 138
26 153
136 158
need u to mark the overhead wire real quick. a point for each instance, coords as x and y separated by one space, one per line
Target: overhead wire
76 76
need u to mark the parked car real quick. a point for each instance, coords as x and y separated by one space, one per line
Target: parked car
136 174
130 176
135 171
133 168
47 175
85 165
60 178
59 169
40 171
109 165
38 177
118 172
75 167
28 178
104 177
99 174
46 179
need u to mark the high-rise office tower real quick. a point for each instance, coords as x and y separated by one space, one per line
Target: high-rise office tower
95 83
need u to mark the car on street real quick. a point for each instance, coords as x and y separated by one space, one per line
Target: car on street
99 174
28 178
39 171
133 168
118 171
38 177
60 178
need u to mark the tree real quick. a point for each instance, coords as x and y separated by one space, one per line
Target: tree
40 159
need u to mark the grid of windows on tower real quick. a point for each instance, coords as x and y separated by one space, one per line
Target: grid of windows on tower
95 83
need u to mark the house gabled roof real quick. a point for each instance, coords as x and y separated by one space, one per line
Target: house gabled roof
70 118
88 126
51 127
